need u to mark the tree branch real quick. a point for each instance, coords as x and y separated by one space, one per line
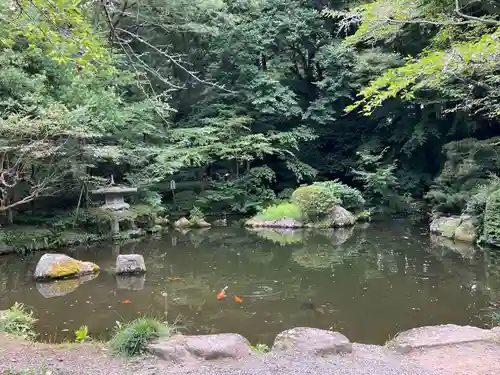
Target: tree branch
472 18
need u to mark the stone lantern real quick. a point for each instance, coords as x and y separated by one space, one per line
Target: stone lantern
114 197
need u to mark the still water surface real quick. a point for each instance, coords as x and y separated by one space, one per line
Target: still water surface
368 283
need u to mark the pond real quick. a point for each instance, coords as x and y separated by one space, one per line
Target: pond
369 282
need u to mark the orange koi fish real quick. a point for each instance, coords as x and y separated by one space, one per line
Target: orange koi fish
222 293
238 299
126 301
173 278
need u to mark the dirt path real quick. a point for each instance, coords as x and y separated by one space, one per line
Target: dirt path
443 350
64 359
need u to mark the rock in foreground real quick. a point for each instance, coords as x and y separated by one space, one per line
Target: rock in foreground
56 266
130 264
314 341
207 347
432 336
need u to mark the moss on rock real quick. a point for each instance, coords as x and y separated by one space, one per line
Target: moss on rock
57 266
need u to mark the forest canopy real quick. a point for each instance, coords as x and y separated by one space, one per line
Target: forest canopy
241 101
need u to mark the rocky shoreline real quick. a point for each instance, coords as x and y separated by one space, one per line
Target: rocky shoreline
431 350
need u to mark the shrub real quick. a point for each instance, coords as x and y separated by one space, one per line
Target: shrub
280 211
350 198
477 202
285 194
314 201
132 338
261 348
491 231
18 321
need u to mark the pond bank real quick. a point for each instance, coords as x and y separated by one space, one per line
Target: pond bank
431 350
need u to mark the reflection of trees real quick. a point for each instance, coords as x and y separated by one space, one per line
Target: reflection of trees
192 291
315 259
287 236
280 236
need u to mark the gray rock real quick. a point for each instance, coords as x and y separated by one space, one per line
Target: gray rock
466 231
163 221
459 228
220 223
130 282
183 223
207 347
282 223
314 341
200 223
431 336
130 264
56 266
445 226
340 217
6 249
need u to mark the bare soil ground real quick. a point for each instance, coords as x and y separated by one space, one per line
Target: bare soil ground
473 358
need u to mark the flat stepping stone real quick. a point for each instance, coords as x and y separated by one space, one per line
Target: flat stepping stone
432 336
312 341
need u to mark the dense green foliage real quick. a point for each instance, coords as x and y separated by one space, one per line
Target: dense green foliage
491 232
19 321
131 339
349 197
241 101
279 211
314 201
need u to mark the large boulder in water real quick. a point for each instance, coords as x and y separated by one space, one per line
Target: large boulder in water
56 266
182 223
340 217
302 340
130 264
459 228
208 347
445 226
466 231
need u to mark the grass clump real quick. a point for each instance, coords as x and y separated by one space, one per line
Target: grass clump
19 321
261 348
280 211
131 339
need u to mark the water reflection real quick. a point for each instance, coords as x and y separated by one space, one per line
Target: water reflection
368 282
60 288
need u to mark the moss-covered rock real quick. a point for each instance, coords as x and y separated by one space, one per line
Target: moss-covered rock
459 228
491 229
466 231
445 226
56 266
314 201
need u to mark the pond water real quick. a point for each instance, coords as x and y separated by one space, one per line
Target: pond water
369 282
